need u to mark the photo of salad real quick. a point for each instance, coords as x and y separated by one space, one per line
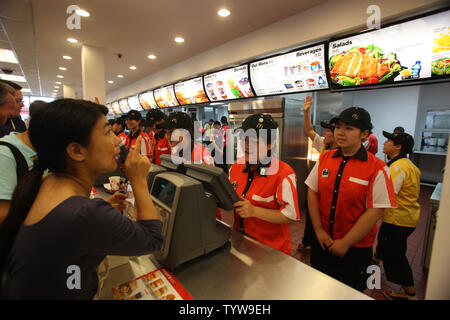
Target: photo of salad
363 65
440 67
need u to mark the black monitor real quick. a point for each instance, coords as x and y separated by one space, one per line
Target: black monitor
215 181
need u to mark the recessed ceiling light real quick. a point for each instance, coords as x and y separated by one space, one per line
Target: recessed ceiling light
133 68
119 76
223 12
72 40
58 82
179 39
62 68
110 81
82 13
7 56
151 56
25 90
56 87
12 77
67 57
60 76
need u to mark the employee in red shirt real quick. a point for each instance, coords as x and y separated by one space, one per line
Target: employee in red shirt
182 141
267 187
348 191
159 144
133 120
371 143
119 127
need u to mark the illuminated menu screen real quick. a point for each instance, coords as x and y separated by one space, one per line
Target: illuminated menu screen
297 71
413 50
228 84
133 103
123 104
110 109
147 100
116 108
191 92
165 97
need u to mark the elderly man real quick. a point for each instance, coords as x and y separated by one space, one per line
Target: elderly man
7 106
15 122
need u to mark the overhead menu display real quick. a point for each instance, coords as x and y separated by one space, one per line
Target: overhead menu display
165 97
123 104
297 71
133 103
228 84
413 50
147 100
116 108
110 109
191 92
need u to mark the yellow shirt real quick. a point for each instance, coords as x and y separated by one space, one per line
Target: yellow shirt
406 179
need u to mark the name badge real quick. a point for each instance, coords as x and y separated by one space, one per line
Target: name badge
325 173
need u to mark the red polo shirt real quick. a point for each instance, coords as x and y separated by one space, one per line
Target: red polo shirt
145 145
347 187
273 187
159 146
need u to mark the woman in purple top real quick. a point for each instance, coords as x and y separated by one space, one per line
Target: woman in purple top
53 228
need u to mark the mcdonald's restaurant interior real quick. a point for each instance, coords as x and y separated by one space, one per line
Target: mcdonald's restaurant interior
258 56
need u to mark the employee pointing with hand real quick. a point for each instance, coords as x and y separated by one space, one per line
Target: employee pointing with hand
266 185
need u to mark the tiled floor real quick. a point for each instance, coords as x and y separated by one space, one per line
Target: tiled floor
414 252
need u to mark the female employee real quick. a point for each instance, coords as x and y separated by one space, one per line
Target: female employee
158 140
348 190
133 120
53 227
267 187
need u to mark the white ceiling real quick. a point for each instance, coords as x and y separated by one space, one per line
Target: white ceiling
36 31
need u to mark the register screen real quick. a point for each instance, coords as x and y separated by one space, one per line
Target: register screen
164 191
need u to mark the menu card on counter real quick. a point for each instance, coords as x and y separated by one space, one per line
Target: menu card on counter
228 84
147 100
133 103
116 108
191 92
165 97
412 50
298 71
123 104
156 285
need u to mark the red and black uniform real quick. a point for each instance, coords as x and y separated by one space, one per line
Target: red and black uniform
131 139
159 145
274 187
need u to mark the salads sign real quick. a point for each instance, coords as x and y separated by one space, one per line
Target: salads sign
297 71
417 49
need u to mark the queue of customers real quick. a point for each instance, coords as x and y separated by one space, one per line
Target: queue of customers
49 222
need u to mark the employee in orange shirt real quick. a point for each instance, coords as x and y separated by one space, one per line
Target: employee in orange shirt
158 142
267 187
133 120
348 191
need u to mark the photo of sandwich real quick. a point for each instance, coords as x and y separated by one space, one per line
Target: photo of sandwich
363 65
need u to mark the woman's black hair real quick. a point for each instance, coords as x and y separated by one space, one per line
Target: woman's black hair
224 120
61 122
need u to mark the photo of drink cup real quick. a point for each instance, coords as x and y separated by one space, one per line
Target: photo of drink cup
310 82
221 89
299 84
245 85
114 182
210 89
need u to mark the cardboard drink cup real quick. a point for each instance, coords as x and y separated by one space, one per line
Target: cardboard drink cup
114 182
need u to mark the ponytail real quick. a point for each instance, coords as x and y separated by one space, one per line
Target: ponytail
23 197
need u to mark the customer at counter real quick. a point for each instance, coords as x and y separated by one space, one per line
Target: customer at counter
53 226
133 120
348 190
158 141
15 122
7 106
399 223
268 189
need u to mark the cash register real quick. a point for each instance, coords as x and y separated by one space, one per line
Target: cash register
186 196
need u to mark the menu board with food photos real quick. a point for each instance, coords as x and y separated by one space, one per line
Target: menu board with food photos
133 103
123 104
190 92
165 97
156 285
228 84
301 70
147 100
413 50
116 107
110 109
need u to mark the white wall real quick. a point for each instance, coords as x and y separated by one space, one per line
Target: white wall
318 23
388 108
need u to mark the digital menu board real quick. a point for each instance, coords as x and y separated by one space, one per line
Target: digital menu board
133 103
110 109
165 97
413 50
191 92
228 84
147 100
116 108
123 104
301 70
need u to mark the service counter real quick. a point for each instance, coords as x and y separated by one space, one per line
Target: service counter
242 269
